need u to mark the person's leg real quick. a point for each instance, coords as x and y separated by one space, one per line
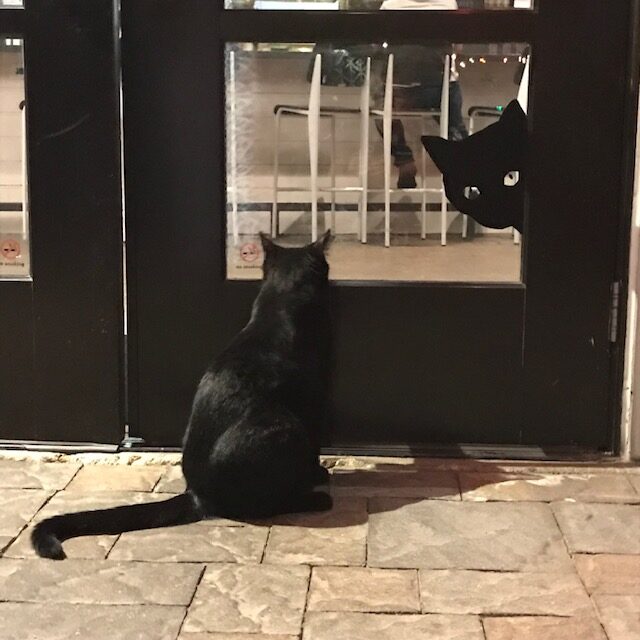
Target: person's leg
457 127
400 150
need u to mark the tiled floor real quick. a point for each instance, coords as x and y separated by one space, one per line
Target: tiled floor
486 258
413 549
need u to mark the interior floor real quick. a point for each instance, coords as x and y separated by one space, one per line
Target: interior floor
485 258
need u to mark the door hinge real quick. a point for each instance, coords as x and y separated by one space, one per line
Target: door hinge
613 311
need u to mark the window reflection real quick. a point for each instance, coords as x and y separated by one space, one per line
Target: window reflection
341 136
375 5
14 219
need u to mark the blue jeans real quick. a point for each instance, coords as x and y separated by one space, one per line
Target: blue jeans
423 97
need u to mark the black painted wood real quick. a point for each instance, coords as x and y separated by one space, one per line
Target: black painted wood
578 103
67 326
393 26
12 22
415 364
16 356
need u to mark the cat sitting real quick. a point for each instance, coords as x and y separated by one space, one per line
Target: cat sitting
484 173
252 443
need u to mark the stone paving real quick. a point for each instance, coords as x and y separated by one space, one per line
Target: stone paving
413 549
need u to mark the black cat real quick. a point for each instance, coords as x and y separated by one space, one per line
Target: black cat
251 447
484 173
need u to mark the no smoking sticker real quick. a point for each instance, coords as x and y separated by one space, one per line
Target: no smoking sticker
249 252
10 249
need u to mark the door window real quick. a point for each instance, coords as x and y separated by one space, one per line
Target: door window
14 215
411 154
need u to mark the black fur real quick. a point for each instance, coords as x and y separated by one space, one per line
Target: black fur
482 161
251 447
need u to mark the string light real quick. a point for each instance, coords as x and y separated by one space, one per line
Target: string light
505 60
463 64
471 60
482 60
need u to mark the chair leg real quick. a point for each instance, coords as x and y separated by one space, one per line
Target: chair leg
364 152
465 225
275 222
333 174
444 133
313 127
386 139
443 217
423 230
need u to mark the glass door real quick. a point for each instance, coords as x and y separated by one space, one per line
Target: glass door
450 148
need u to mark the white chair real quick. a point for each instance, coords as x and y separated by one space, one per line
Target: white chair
314 113
388 114
25 176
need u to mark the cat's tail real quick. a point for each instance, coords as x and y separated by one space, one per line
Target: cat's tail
48 535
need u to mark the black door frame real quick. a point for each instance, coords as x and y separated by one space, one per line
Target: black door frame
63 331
570 385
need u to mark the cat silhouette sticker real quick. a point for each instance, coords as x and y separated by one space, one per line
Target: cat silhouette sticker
484 174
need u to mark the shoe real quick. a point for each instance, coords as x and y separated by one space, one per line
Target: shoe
407 175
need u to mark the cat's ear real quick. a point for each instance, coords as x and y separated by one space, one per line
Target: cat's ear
323 242
514 117
268 245
440 151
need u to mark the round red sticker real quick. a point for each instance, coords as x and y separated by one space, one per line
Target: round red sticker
10 249
249 252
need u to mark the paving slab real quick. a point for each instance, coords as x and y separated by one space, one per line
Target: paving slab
199 542
620 616
488 592
365 626
435 534
483 487
105 477
634 479
69 502
172 481
543 628
609 574
18 507
399 482
363 589
16 474
37 621
249 599
337 537
600 528
98 582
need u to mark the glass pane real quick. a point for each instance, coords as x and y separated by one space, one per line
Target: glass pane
14 219
11 3
375 5
384 202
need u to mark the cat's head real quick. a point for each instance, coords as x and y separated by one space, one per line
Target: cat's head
484 173
292 268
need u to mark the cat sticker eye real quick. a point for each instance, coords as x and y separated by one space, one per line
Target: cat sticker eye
471 193
511 179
